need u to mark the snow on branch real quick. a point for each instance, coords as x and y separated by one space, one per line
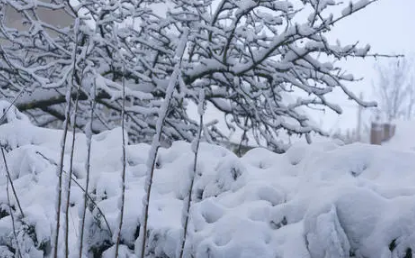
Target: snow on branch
246 55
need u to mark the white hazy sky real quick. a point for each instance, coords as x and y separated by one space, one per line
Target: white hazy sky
389 27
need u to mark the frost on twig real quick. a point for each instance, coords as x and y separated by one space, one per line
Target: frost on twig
123 171
195 149
88 170
9 181
55 245
151 162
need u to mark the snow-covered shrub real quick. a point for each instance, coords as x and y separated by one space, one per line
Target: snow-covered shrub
320 200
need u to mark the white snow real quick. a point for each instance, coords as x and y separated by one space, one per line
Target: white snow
320 200
404 135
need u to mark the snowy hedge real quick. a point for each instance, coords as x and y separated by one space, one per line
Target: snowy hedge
324 200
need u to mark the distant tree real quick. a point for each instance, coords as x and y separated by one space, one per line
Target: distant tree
247 56
395 88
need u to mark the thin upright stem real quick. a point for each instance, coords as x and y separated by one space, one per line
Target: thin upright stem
124 164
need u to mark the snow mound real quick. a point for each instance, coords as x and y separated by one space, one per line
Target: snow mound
320 200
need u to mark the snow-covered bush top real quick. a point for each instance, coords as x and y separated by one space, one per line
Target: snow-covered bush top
323 200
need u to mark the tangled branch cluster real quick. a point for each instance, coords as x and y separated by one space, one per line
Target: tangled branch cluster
250 57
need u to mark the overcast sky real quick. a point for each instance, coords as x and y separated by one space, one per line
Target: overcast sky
389 27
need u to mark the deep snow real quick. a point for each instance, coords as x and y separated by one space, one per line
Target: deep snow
320 201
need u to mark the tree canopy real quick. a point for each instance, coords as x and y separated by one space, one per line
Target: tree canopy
250 57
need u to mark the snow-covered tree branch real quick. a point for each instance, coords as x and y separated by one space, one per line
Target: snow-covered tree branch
252 58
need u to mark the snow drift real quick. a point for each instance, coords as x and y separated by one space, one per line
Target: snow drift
323 200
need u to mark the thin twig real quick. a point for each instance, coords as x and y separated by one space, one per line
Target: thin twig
124 164
151 162
68 190
63 143
88 168
12 217
60 171
11 104
11 182
9 203
83 190
78 92
195 149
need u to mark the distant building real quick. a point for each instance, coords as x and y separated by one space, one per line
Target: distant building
381 131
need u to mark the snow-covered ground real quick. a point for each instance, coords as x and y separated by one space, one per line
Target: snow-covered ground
320 201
